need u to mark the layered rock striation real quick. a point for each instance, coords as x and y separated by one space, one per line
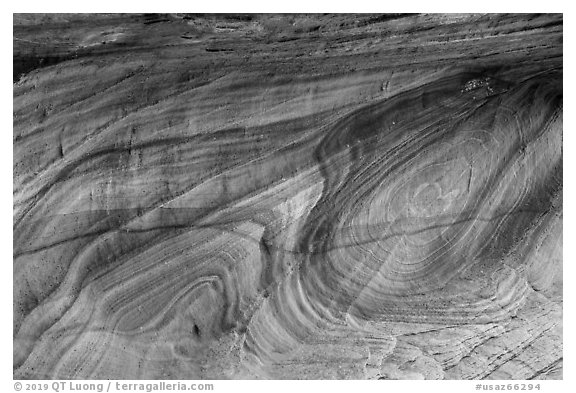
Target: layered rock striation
292 196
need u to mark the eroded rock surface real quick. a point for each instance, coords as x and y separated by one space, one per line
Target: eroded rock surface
296 196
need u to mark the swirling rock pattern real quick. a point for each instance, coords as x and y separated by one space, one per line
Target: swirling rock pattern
295 196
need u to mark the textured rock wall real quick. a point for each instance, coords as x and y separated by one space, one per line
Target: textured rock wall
295 196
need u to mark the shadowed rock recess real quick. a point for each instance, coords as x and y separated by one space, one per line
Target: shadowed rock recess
287 196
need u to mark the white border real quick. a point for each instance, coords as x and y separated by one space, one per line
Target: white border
300 6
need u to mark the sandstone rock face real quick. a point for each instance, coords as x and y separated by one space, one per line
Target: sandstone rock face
294 196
